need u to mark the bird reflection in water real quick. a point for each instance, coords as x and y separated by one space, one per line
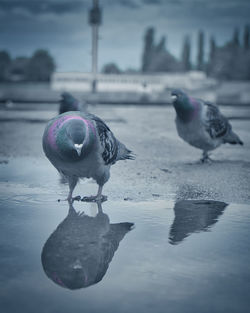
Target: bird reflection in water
193 216
78 252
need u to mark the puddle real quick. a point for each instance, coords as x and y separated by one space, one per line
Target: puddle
190 256
124 256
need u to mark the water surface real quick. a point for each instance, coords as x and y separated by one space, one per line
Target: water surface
123 256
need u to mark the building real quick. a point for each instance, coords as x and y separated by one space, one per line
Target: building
139 83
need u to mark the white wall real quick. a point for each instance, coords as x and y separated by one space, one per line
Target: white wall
130 83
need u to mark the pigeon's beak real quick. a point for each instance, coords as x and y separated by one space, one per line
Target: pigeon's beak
78 148
77 265
173 97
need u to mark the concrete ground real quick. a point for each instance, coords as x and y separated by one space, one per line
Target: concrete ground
165 166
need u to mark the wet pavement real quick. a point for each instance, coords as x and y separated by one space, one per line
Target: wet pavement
172 237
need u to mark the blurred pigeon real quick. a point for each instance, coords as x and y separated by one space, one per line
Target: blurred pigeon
69 103
193 216
201 124
82 145
77 254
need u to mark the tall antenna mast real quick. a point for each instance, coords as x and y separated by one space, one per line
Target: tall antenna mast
95 22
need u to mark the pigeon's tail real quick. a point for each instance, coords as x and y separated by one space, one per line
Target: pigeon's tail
124 153
130 155
232 138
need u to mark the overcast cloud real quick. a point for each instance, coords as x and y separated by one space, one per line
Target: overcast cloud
61 26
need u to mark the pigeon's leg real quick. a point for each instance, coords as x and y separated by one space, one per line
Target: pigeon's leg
98 198
72 183
99 205
205 157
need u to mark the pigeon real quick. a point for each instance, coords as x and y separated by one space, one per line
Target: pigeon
78 253
69 103
201 124
81 145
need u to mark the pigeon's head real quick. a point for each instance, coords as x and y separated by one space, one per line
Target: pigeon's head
178 96
77 135
182 104
68 103
66 96
69 100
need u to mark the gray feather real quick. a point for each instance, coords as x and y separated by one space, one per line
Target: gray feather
218 126
114 150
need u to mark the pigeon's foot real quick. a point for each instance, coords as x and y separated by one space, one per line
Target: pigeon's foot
207 161
71 199
97 198
205 158
77 198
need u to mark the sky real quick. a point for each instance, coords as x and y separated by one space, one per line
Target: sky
61 26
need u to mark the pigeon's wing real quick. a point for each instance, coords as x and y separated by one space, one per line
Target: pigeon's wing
108 141
216 124
113 149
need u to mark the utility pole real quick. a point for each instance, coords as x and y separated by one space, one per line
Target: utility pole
94 21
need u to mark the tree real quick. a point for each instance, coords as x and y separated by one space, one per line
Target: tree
19 67
165 62
212 48
41 65
111 68
186 63
5 63
236 40
148 48
246 37
230 61
200 55
161 47
212 52
156 58
162 60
